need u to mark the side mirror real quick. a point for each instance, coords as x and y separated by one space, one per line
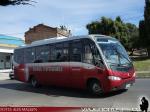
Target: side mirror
99 63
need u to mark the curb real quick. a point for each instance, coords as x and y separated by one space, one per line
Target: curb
138 77
146 74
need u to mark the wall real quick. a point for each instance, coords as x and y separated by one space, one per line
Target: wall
41 31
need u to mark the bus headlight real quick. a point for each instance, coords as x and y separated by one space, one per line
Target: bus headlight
114 78
134 75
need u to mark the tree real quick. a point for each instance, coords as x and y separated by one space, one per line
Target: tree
125 32
144 27
119 19
142 33
15 2
133 35
105 26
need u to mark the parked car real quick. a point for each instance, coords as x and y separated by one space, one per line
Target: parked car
11 74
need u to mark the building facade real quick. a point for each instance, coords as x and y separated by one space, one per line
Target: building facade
7 46
42 31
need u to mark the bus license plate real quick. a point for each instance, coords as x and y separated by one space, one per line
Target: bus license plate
128 85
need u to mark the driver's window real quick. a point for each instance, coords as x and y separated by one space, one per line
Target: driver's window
96 55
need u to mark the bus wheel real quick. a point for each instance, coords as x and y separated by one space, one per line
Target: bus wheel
34 82
94 87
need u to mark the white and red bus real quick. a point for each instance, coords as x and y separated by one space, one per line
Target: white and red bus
98 63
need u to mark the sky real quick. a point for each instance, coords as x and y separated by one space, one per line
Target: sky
74 14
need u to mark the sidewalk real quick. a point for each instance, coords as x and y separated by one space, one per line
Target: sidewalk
4 76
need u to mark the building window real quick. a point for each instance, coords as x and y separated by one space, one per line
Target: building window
8 62
5 60
1 64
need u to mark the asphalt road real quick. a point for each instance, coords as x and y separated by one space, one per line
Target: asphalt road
14 93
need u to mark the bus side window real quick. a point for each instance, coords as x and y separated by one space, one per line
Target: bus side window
29 55
76 51
19 56
87 53
58 52
65 56
52 56
62 52
42 54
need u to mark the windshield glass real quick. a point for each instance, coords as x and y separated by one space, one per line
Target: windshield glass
115 54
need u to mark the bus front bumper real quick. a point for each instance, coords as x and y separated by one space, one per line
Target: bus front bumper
122 84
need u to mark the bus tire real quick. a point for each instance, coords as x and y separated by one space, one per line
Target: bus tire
34 82
94 87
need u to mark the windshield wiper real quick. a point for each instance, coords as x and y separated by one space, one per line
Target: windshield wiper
119 65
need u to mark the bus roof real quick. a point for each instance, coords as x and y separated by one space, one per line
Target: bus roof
61 39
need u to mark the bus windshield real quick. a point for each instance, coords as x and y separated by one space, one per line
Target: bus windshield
115 54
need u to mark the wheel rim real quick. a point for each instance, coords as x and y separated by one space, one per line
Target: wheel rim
96 88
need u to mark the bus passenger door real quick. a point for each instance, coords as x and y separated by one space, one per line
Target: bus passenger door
76 76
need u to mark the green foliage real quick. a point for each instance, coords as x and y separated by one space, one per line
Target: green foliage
127 33
142 32
15 2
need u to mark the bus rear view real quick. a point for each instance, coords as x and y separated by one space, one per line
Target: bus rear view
97 63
